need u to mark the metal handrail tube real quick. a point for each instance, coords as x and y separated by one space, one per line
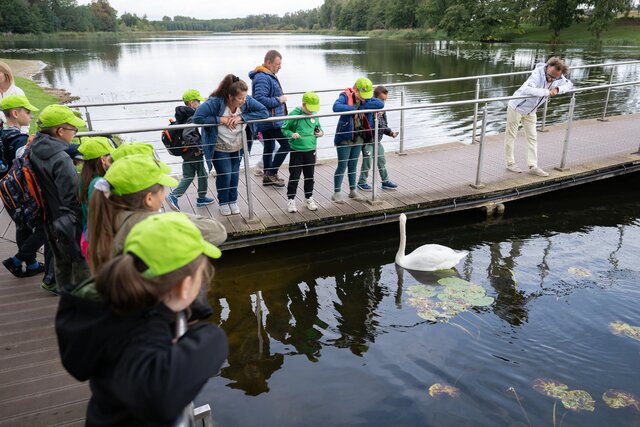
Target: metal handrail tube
247 176
567 136
481 148
452 79
475 113
374 160
606 101
345 113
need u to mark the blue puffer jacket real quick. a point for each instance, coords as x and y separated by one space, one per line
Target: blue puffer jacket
344 130
265 88
210 111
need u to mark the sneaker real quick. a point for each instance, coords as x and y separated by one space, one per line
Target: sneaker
364 187
30 272
337 198
354 195
225 209
514 168
291 206
272 180
534 170
389 185
14 269
235 210
50 287
311 204
259 169
172 201
204 201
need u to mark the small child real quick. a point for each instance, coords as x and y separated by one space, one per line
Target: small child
117 332
381 93
303 134
17 110
193 157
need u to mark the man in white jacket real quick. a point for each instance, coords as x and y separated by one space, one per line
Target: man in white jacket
546 80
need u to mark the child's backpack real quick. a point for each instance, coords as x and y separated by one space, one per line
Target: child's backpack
172 139
22 195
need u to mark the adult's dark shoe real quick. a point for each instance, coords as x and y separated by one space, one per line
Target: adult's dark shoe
274 180
14 269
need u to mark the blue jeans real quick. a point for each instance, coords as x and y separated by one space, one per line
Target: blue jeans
227 166
273 162
348 156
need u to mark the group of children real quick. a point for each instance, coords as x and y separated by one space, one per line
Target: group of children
354 136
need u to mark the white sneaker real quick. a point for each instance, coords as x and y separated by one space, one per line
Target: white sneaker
337 198
514 168
311 204
291 206
235 210
225 210
534 170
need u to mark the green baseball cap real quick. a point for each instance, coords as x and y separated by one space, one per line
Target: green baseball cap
166 242
365 87
312 101
16 101
191 95
135 173
131 149
55 115
94 147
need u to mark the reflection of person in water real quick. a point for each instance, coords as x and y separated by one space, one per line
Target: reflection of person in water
359 293
510 302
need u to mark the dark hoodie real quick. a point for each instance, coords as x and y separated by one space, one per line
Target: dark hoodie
190 137
137 376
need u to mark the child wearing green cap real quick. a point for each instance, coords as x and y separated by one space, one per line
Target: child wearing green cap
192 154
303 135
17 111
117 332
352 132
58 180
96 153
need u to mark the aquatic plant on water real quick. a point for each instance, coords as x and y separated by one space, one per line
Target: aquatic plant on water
575 400
625 329
439 390
452 297
620 399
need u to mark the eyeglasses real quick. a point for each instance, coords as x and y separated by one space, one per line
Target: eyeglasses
74 130
553 78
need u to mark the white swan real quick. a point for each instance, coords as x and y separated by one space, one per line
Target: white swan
426 257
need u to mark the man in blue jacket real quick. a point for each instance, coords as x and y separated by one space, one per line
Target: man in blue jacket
266 89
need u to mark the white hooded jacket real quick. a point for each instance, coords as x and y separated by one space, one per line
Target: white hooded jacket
537 87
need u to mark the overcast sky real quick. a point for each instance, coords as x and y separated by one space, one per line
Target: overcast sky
208 9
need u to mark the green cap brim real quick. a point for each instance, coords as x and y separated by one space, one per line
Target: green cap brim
31 108
164 168
313 108
366 95
76 122
168 181
211 251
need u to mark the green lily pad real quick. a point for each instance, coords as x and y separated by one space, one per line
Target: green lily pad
550 388
453 281
578 400
484 301
438 390
624 329
620 399
421 291
579 271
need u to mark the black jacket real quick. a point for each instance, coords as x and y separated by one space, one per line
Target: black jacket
137 376
58 181
190 137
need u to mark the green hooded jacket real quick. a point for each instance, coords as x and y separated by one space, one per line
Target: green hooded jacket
305 128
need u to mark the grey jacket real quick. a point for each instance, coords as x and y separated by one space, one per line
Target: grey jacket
536 88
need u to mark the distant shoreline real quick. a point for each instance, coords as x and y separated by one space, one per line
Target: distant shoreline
27 68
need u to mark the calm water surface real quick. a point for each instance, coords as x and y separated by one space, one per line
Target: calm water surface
321 331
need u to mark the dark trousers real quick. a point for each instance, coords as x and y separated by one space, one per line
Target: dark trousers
272 162
301 162
29 241
71 270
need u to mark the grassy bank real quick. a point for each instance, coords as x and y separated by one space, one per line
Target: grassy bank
622 32
37 96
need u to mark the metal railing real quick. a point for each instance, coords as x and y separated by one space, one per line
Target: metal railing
485 101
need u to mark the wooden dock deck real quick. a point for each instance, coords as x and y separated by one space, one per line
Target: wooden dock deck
36 391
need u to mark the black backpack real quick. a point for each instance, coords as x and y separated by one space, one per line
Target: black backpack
172 139
22 195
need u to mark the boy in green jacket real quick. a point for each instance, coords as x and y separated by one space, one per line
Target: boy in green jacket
303 134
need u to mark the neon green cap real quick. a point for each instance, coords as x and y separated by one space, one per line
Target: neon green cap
312 101
16 101
365 87
167 242
55 115
94 147
135 173
191 95
131 149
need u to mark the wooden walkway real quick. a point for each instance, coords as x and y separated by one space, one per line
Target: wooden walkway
36 391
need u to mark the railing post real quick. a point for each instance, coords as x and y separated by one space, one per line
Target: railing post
186 418
401 151
567 136
475 113
606 101
88 116
374 168
203 417
478 184
247 178
543 127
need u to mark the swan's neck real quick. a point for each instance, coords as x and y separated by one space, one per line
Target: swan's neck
403 241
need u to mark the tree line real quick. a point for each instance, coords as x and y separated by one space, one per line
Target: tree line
464 19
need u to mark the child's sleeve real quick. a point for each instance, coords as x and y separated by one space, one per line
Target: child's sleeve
289 127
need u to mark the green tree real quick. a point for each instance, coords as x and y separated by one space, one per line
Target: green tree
561 14
603 13
103 15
